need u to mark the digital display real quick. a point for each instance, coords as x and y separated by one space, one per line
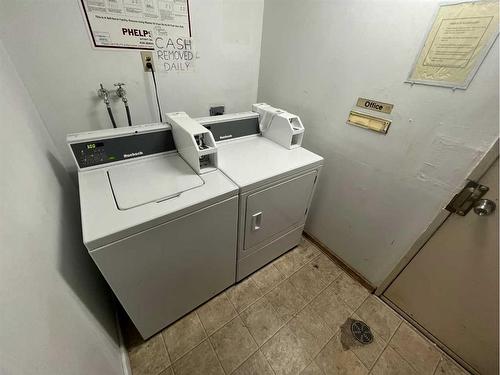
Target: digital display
91 146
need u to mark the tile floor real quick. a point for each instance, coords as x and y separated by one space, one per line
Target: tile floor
285 319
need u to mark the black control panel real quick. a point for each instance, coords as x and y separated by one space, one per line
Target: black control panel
109 150
234 128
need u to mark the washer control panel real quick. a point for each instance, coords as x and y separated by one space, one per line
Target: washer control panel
109 150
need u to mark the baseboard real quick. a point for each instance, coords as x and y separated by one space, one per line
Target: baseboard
123 349
329 253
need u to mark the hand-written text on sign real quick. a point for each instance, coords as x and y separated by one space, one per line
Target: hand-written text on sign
174 54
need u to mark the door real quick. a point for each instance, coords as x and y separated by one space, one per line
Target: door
450 287
277 208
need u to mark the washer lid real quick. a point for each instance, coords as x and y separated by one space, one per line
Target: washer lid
151 180
255 161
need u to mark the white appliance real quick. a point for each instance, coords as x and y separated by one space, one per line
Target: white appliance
162 235
276 179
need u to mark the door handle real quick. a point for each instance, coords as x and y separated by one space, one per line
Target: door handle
256 221
467 199
484 207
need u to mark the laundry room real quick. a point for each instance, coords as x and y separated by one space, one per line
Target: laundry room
249 187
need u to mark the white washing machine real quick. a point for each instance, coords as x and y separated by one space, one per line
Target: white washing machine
162 232
276 179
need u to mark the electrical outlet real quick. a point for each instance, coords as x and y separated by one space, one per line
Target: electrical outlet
147 57
217 110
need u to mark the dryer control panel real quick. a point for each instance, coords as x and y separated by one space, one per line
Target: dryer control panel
99 151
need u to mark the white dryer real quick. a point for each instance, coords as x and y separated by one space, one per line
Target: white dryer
162 235
276 180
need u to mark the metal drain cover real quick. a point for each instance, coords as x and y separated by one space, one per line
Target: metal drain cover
361 332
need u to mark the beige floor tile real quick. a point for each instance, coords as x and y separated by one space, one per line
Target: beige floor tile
331 308
216 312
312 369
291 262
261 320
368 354
233 344
285 354
183 335
149 357
255 365
391 363
267 278
350 291
308 282
199 361
447 367
306 250
286 300
168 371
244 294
311 331
333 360
328 270
380 317
417 350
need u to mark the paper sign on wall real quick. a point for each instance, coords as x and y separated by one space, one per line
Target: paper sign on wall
173 53
456 44
128 24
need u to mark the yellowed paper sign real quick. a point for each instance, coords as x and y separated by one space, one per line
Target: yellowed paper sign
457 43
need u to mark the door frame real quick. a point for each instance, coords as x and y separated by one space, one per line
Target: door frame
477 172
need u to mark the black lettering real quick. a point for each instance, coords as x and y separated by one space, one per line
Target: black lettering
170 43
159 42
180 43
160 54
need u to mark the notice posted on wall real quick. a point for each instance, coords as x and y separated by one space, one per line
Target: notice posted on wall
129 24
173 53
456 44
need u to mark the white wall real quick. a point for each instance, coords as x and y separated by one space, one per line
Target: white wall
377 193
49 43
56 316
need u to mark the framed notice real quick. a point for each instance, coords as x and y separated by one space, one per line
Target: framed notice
128 24
456 44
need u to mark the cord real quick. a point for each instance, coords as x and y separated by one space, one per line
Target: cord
150 67
129 118
111 116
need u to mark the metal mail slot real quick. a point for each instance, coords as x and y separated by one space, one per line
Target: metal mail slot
365 121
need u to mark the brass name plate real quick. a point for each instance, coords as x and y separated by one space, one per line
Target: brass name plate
365 121
374 105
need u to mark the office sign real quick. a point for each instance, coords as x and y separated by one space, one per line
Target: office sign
129 24
374 105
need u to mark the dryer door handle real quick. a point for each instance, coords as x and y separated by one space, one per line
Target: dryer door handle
256 221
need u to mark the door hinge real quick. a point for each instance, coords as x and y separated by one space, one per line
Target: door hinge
464 201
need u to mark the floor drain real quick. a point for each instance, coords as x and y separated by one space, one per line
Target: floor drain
361 332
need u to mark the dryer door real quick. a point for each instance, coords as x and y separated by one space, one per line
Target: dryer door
277 208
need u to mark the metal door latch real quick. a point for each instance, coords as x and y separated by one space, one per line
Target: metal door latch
484 207
464 201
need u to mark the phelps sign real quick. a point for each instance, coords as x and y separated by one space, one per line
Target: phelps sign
128 24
